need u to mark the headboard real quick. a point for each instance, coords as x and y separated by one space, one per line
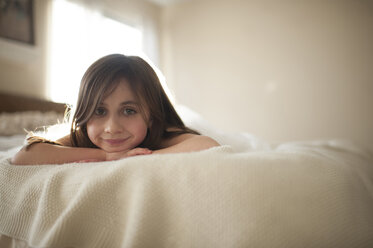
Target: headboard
19 113
14 103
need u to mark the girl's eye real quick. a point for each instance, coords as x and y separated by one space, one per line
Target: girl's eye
129 111
100 111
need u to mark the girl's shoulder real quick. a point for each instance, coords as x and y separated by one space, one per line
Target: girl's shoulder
176 139
189 140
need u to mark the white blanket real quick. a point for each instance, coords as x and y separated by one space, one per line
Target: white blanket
292 196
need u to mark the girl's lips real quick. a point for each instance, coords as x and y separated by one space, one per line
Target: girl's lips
114 141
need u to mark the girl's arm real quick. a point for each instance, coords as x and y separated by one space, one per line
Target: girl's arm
187 143
44 153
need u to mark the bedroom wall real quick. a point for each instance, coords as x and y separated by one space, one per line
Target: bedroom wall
282 70
23 67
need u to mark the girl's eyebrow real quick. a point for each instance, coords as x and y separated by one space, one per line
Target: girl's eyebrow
129 103
123 103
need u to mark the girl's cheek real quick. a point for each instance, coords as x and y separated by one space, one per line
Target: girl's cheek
92 128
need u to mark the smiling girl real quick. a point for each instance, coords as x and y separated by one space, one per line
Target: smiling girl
122 110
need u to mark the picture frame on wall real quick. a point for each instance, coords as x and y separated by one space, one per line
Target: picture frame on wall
17 20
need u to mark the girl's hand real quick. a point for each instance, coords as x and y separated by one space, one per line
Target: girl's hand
129 153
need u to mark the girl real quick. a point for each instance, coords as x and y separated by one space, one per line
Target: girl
122 111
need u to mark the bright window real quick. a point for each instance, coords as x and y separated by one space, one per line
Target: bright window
79 36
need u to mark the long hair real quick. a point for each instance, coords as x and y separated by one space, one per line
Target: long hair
100 80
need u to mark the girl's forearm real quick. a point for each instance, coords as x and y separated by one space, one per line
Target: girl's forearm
42 153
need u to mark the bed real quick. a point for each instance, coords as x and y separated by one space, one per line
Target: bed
246 193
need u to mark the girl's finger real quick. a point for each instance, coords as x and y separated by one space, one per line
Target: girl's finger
139 151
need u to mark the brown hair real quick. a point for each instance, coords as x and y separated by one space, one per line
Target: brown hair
103 76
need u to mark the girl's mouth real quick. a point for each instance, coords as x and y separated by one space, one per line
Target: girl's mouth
114 142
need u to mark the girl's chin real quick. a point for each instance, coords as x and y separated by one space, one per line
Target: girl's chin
115 149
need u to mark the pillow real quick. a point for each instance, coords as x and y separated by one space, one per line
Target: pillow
22 122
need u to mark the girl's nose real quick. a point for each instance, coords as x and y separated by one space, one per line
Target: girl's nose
112 125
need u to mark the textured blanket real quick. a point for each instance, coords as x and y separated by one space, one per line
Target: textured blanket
291 196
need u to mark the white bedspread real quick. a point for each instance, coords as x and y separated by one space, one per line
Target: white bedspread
294 195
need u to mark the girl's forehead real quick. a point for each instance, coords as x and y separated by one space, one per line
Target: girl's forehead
120 88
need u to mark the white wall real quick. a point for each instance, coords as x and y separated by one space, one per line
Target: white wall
22 66
282 70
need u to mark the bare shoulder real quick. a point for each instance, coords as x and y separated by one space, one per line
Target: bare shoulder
203 142
177 139
188 142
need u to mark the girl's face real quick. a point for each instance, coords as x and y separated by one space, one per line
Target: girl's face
117 124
